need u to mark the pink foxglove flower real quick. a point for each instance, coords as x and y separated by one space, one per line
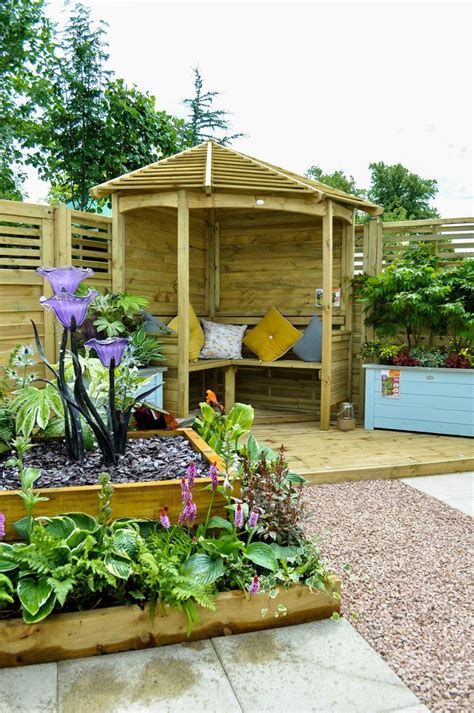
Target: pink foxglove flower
164 519
214 477
239 516
2 525
184 490
255 586
192 470
253 519
188 514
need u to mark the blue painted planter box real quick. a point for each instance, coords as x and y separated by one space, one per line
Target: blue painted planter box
155 376
419 399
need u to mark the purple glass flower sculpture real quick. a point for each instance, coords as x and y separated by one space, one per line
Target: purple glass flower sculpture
69 309
65 279
108 349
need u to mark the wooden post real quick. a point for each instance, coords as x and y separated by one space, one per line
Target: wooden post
62 236
229 387
372 265
211 269
183 305
118 246
217 274
47 259
348 267
62 256
325 413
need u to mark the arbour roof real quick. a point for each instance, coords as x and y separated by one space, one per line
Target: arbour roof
212 167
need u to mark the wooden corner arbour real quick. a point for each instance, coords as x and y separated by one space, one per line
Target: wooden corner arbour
233 236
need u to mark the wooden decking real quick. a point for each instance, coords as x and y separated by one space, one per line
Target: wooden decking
332 456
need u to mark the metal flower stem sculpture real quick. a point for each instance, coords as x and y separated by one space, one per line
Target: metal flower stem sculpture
71 311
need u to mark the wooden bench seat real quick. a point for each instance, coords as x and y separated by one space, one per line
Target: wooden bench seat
230 366
334 381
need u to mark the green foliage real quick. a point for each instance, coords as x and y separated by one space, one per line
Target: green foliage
204 120
116 313
406 298
337 179
94 126
28 478
219 430
404 195
458 314
75 561
267 488
34 408
432 357
26 53
144 348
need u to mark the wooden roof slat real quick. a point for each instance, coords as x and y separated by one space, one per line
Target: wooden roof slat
213 166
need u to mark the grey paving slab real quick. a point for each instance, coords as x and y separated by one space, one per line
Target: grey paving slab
186 677
465 505
28 689
454 489
321 667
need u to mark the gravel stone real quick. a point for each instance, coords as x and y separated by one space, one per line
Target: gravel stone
409 590
145 460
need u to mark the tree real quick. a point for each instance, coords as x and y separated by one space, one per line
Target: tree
142 133
203 119
95 127
68 144
26 53
337 180
404 195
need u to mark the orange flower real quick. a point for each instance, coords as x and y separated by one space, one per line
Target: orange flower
211 398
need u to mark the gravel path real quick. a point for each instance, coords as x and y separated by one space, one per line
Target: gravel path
410 587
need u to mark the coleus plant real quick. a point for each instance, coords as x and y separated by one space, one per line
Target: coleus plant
70 310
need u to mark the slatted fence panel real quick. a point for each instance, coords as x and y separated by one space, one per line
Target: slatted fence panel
34 235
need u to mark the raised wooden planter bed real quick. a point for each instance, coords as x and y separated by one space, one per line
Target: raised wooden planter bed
106 631
129 499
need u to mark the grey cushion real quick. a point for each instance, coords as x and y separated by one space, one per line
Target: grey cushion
308 348
153 325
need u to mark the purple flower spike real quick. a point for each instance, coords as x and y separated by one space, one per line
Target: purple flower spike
253 519
188 513
65 279
239 516
2 525
214 477
108 349
192 470
68 307
255 586
164 519
184 490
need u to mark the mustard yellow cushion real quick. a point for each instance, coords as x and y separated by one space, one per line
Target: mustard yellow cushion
272 337
196 335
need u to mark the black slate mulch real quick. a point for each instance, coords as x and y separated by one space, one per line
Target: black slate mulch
146 459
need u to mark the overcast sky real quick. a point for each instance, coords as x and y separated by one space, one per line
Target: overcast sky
338 84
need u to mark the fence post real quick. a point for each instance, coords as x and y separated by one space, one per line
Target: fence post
372 265
62 235
47 259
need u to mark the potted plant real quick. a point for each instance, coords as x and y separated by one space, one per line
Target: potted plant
420 375
120 314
